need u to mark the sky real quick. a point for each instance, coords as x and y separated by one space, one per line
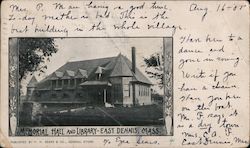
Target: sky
76 49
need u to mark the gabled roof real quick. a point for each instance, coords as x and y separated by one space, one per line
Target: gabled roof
56 75
68 74
99 70
111 67
121 68
139 76
81 74
32 82
88 65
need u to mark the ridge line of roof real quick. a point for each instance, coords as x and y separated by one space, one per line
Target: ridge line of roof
137 69
91 59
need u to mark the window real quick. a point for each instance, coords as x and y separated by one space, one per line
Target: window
98 76
126 93
78 81
117 90
71 82
143 90
126 90
53 95
38 94
78 95
65 95
59 84
139 90
53 83
129 92
29 92
65 82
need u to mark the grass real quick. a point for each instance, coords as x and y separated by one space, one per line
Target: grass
101 116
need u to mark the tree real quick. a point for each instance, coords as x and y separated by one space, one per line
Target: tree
154 67
33 53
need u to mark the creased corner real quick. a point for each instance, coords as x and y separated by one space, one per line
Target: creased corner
4 142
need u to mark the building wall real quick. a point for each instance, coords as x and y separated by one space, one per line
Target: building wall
143 94
127 91
121 93
116 90
66 90
30 91
61 95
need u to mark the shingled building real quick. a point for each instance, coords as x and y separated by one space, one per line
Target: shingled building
113 80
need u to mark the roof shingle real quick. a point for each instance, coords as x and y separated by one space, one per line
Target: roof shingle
112 67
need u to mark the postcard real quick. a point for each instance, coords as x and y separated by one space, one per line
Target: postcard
124 73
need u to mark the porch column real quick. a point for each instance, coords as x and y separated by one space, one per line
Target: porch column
62 83
105 95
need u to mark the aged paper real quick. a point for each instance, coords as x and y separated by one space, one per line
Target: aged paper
124 73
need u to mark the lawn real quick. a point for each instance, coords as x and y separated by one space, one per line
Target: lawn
101 116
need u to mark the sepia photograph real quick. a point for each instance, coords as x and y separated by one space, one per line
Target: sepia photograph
124 73
90 81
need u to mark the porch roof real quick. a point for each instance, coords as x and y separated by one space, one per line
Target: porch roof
96 83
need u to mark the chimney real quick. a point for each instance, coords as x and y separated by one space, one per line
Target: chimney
133 69
133 59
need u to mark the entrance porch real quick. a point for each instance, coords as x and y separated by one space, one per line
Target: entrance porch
98 91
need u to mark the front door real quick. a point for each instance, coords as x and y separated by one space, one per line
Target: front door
97 96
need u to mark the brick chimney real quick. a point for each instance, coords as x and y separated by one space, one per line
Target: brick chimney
133 69
133 59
